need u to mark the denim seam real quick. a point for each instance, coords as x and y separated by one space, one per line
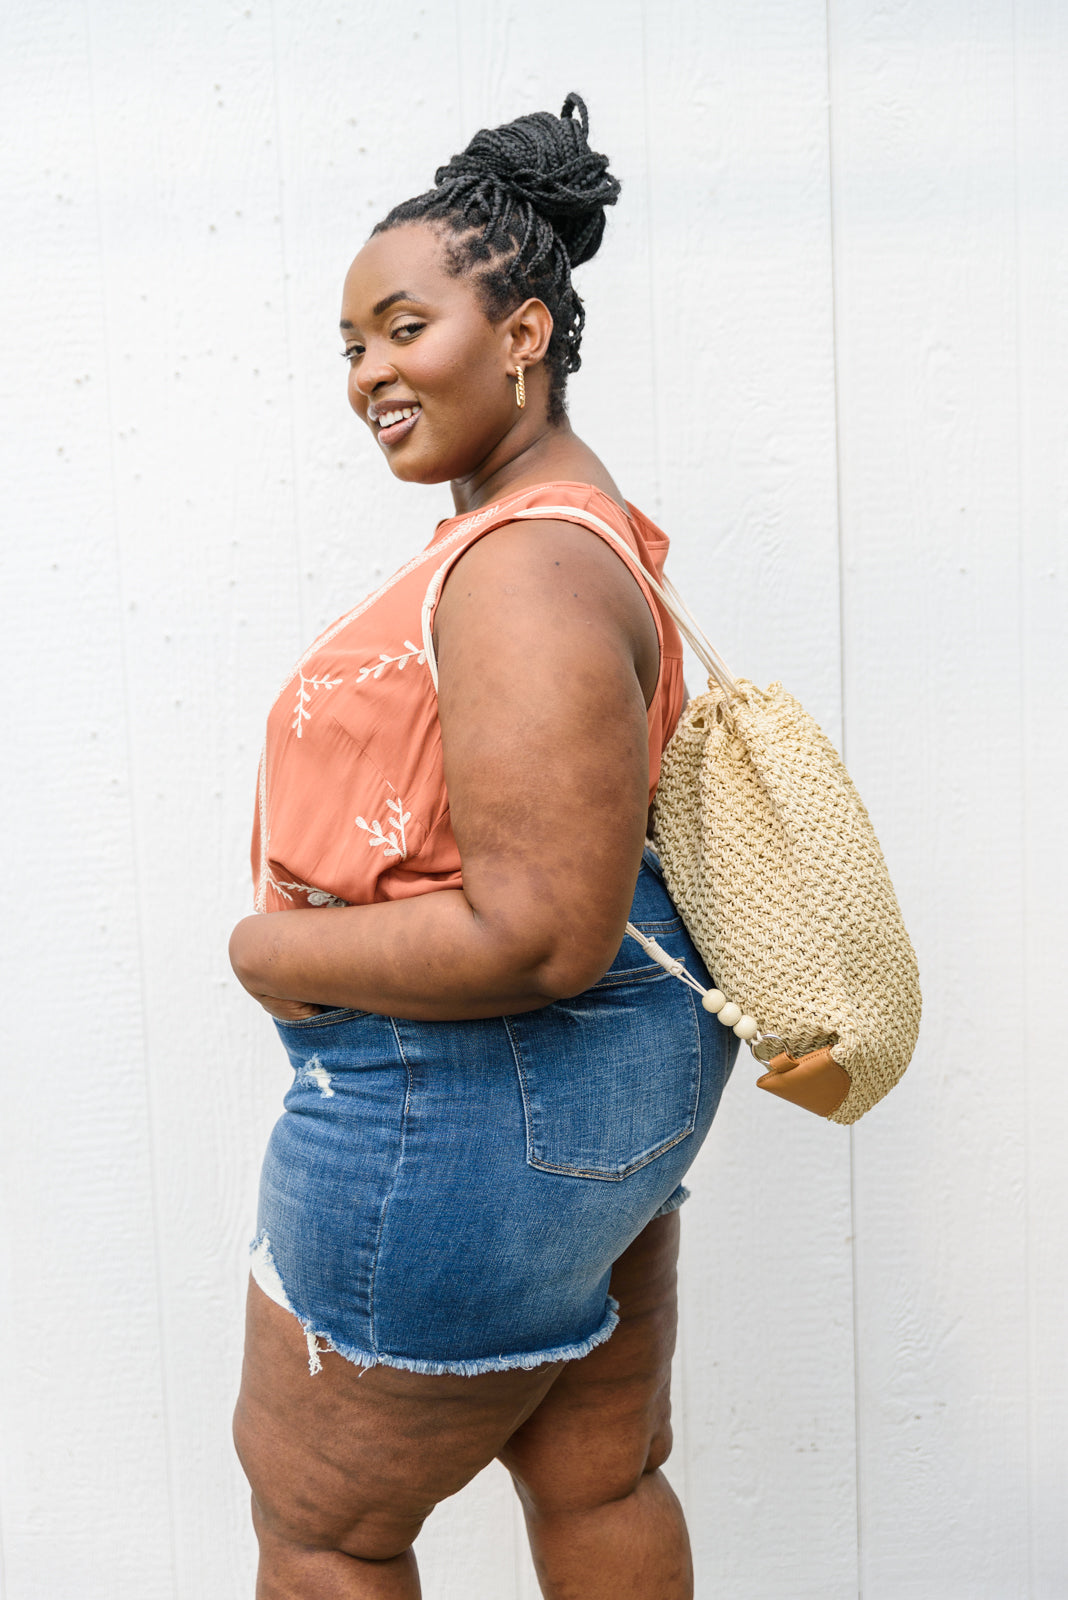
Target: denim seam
388 1196
614 1177
517 1057
325 1020
612 980
568 1171
700 1058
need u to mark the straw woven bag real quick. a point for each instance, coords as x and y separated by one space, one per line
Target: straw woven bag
772 861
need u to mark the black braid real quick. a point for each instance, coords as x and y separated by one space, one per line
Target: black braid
521 206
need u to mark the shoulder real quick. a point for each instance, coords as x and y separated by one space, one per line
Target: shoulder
547 589
544 560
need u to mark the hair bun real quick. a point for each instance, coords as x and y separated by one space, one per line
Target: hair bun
546 161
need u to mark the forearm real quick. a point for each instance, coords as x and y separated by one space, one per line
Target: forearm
430 958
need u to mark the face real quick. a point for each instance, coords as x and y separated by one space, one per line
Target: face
428 372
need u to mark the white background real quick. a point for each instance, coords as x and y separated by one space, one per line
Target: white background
828 350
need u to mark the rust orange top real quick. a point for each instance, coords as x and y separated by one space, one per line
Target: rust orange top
352 802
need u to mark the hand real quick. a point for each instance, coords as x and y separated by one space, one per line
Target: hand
287 1010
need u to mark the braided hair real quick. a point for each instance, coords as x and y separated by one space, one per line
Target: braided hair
521 206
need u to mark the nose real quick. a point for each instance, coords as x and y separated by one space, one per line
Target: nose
374 370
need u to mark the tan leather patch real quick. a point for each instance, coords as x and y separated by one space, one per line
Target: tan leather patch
815 1082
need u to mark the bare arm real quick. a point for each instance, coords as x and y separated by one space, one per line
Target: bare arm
544 643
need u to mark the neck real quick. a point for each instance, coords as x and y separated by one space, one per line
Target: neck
551 453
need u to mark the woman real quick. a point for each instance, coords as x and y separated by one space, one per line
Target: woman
468 1231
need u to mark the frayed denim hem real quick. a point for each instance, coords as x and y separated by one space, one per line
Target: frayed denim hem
673 1202
266 1274
475 1368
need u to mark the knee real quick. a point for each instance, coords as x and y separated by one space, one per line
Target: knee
601 1472
656 1453
291 1523
659 1449
292 1512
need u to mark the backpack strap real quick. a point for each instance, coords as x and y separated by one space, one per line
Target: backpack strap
665 592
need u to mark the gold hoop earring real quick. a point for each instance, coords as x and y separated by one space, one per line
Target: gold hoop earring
520 388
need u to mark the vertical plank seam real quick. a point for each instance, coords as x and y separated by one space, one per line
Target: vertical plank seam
124 676
840 531
1022 658
658 490
287 323
461 93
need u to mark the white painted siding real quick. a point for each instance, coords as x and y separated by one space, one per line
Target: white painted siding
828 348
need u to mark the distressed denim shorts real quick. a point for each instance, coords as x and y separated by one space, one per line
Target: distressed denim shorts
450 1196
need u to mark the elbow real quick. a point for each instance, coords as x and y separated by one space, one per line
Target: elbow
575 967
543 958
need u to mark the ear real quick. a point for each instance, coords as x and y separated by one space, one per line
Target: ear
528 331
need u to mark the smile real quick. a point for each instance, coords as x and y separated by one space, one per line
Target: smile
395 425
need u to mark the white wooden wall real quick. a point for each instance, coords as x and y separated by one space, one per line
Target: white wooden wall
828 349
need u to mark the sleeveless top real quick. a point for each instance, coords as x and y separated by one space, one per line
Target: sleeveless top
352 805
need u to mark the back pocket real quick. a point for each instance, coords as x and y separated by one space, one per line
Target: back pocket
610 1079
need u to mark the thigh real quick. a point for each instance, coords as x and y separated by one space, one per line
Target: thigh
606 1419
355 1458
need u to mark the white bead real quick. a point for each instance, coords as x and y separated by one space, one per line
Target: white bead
747 1028
730 1014
713 1001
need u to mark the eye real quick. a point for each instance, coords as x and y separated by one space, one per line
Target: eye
351 351
408 329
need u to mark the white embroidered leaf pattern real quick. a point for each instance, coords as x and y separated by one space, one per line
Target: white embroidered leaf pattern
316 897
304 694
414 652
393 842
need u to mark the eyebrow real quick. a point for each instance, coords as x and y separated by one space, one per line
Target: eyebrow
384 305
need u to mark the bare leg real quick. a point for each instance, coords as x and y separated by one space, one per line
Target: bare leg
291 1571
603 1521
346 1466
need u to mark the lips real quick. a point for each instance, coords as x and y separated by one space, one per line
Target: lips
393 420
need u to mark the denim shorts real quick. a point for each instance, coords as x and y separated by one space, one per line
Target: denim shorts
450 1196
